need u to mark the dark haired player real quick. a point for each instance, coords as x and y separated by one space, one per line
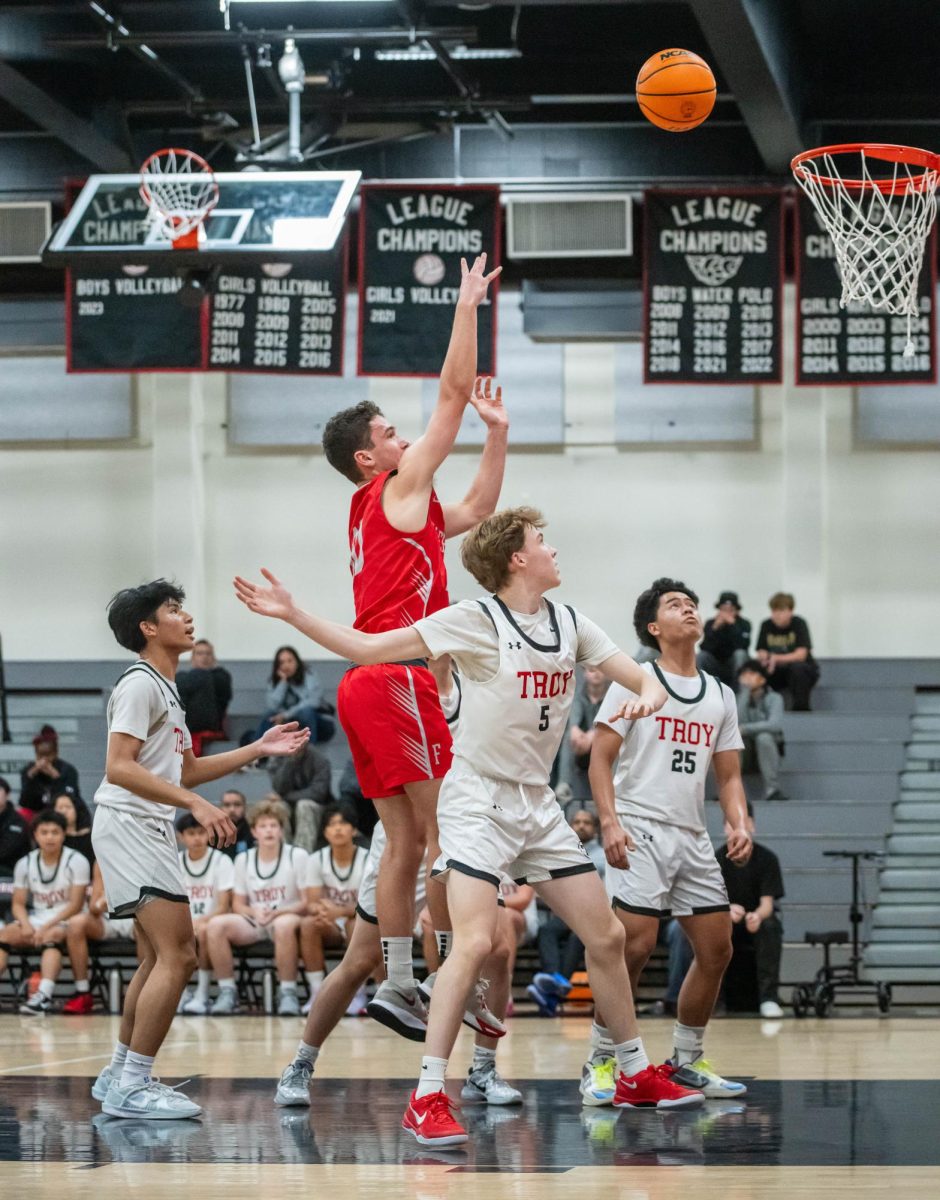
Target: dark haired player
652 814
397 531
149 774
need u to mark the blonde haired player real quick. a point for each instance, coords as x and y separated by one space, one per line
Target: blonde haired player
517 654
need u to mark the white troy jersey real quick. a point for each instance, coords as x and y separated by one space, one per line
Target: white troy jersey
275 884
512 724
50 888
664 760
206 879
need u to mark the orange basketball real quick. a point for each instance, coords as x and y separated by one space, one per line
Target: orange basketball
675 90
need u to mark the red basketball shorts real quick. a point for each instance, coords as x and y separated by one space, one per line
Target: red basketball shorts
391 714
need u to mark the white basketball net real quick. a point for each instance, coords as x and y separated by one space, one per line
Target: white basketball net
880 230
179 189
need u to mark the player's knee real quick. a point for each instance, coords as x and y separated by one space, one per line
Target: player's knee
714 959
475 946
607 942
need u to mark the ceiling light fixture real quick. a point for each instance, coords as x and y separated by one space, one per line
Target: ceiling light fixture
423 53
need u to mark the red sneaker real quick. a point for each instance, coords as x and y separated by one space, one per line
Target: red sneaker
653 1088
81 1004
431 1121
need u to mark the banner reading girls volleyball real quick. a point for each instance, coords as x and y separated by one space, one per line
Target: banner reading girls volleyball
411 241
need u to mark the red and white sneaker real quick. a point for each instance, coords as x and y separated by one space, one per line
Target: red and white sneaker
476 1015
81 1004
652 1088
432 1122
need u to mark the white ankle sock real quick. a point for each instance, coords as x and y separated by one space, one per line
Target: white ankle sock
226 983
399 968
203 983
483 1054
602 1045
631 1057
307 1053
687 1042
431 1078
314 980
289 985
81 986
47 987
137 1069
445 940
118 1059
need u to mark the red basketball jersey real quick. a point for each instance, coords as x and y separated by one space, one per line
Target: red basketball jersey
398 578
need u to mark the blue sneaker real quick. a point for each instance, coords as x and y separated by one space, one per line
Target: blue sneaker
552 984
546 1004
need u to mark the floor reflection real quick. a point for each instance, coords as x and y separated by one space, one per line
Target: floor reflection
792 1123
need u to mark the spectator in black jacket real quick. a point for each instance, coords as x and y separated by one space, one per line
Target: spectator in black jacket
302 781
724 647
206 692
757 934
235 805
48 775
77 822
14 843
785 648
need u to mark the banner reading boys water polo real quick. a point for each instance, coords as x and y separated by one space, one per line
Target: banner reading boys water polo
411 241
713 274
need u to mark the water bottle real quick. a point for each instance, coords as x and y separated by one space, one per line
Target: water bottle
114 991
267 990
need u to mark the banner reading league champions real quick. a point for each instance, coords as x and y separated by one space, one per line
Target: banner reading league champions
713 276
411 241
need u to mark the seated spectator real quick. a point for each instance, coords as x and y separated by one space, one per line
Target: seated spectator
302 781
14 842
235 807
210 878
726 640
359 808
785 649
757 934
49 888
293 695
576 754
206 692
77 822
92 926
334 873
760 721
561 953
268 902
43 779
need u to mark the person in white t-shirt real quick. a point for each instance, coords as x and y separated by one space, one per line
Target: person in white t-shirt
517 655
92 925
209 876
150 773
269 899
49 887
648 780
334 874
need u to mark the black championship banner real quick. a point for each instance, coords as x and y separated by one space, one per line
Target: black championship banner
713 274
856 344
280 317
411 240
131 322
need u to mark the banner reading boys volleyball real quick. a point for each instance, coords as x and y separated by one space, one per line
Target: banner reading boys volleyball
713 273
411 240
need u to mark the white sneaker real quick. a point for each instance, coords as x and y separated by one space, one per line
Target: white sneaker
357 1005
294 1085
770 1010
308 1004
196 1005
148 1099
225 1003
477 1016
288 1002
485 1083
187 995
401 1009
700 1076
99 1089
37 1005
598 1081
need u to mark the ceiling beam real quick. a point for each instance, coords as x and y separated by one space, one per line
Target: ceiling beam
55 118
750 43
220 37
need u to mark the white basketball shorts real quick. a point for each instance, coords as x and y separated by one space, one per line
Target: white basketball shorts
138 858
673 872
490 828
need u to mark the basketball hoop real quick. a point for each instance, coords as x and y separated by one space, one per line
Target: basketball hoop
180 190
879 221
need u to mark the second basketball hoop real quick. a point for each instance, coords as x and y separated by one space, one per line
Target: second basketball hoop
180 190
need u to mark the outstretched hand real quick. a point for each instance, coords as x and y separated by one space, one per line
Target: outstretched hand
489 406
282 740
274 601
473 280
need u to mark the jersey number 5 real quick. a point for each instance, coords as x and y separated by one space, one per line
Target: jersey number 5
684 760
543 719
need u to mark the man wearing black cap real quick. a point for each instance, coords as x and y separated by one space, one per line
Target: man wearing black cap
725 644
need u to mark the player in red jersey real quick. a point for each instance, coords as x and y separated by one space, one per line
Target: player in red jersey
390 712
